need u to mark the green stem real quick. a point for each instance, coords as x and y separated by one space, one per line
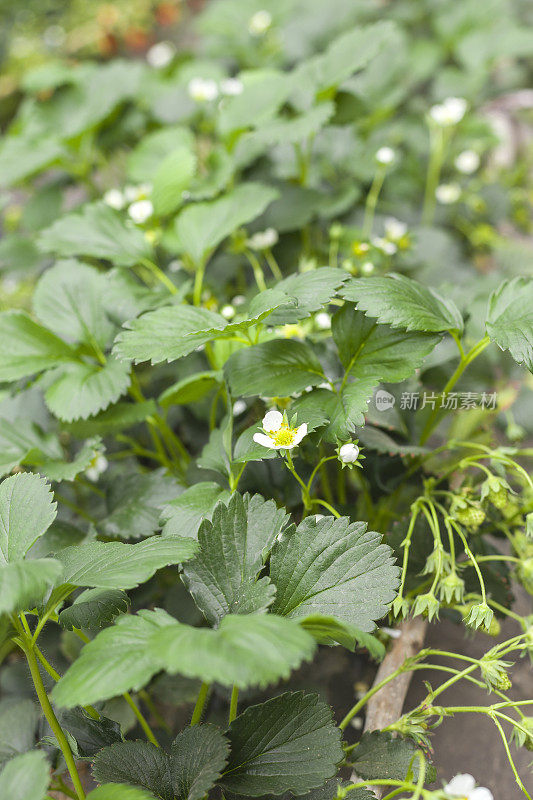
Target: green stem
141 718
316 501
52 719
463 364
436 157
198 284
273 264
290 466
372 200
258 270
158 273
200 703
233 704
374 690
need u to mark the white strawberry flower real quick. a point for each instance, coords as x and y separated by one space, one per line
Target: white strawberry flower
449 112
463 787
367 268
202 90
323 321
114 199
385 156
97 466
161 54
448 193
141 211
467 162
395 229
259 23
263 240
278 435
348 453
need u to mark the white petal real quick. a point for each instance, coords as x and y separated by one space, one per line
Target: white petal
460 786
481 793
300 433
272 420
261 438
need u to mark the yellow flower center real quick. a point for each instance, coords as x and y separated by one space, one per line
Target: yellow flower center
284 436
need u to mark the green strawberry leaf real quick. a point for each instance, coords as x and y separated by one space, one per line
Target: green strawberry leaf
403 303
336 568
510 319
276 368
287 744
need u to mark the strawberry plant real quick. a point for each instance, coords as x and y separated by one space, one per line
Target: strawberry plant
267 343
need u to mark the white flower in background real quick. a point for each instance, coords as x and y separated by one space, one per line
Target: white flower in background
140 211
114 198
467 162
161 54
202 90
140 192
389 248
228 312
323 321
238 300
367 268
259 23
10 285
385 156
449 112
448 193
263 240
395 229
348 453
175 265
231 86
97 466
464 787
278 435
239 407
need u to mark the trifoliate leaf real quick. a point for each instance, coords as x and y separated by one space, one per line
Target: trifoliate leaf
190 389
183 515
134 502
90 734
197 757
18 727
510 319
21 156
370 350
284 130
379 755
202 227
94 608
25 777
116 565
287 744
222 577
23 583
173 175
246 650
82 389
117 660
98 231
27 347
404 303
333 567
312 290
138 763
69 300
167 333
27 510
275 368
